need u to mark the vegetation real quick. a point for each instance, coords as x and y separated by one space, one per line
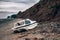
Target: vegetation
12 16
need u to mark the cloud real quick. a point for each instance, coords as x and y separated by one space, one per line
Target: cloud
21 1
14 6
9 6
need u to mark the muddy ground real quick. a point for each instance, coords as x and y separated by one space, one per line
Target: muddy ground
34 34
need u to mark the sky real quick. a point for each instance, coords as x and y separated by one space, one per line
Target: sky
9 7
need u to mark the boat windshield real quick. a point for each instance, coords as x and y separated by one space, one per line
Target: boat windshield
18 24
27 22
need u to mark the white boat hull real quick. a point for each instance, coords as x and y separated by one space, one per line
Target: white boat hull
30 26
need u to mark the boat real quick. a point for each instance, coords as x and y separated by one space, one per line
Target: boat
25 24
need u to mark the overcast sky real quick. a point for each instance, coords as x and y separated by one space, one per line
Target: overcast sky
14 6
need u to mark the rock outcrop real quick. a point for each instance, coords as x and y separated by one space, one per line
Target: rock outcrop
44 10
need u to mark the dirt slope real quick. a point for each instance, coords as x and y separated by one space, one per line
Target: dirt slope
44 10
5 31
44 31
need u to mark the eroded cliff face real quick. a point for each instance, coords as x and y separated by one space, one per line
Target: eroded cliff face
44 10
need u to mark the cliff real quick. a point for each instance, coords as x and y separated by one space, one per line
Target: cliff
44 10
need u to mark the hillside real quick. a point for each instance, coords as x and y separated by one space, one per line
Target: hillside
44 10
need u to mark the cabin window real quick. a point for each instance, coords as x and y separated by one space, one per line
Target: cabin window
27 22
